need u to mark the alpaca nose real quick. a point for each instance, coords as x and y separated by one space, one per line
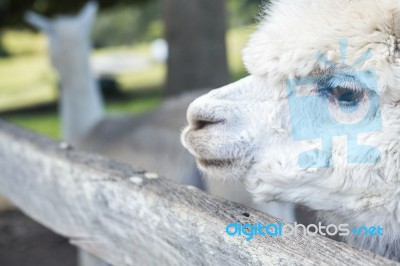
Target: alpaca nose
219 107
201 115
200 123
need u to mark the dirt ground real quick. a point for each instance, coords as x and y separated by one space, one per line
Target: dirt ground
24 242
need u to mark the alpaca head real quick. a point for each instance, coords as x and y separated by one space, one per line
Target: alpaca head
317 121
68 36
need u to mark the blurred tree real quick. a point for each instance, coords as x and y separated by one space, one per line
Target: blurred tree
195 32
3 6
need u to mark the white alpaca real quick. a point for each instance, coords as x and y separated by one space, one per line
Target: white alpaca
150 140
243 131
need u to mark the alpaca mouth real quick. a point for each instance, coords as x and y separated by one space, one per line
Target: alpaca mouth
216 162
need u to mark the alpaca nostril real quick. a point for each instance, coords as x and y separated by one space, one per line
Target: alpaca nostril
203 113
202 123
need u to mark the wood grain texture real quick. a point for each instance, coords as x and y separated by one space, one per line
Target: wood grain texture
117 214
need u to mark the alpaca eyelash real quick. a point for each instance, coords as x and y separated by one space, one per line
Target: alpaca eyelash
346 82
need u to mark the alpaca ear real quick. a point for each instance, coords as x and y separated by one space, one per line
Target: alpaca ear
37 21
88 14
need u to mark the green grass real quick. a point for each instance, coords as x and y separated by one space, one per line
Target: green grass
27 79
152 77
45 122
135 106
21 43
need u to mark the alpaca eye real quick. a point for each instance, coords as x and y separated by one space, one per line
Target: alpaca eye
344 90
346 96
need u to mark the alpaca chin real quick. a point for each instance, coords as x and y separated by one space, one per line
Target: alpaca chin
232 171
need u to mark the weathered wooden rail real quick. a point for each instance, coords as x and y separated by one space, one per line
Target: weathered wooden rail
128 217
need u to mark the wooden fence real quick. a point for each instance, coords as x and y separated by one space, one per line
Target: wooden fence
129 217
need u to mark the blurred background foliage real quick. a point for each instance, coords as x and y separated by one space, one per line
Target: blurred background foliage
121 21
124 25
28 85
